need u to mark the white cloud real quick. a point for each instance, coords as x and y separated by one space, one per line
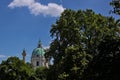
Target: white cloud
2 56
37 8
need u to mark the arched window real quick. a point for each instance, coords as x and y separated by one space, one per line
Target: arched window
37 63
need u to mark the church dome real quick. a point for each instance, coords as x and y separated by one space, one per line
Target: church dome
38 52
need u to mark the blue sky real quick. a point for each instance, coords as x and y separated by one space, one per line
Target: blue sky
24 22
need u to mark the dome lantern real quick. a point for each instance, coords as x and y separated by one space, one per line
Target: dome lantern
39 44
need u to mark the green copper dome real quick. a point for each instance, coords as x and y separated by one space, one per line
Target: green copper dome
38 52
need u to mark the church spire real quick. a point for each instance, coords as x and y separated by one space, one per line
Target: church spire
39 44
24 55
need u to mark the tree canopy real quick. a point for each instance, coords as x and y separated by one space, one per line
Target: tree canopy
76 37
14 69
105 65
116 6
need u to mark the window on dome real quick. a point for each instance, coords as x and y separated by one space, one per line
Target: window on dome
37 63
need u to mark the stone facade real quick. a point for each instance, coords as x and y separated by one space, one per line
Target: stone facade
38 61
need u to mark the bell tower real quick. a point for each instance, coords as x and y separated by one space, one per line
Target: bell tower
24 55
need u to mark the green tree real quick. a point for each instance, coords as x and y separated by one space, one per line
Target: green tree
41 73
116 6
15 69
105 65
76 36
